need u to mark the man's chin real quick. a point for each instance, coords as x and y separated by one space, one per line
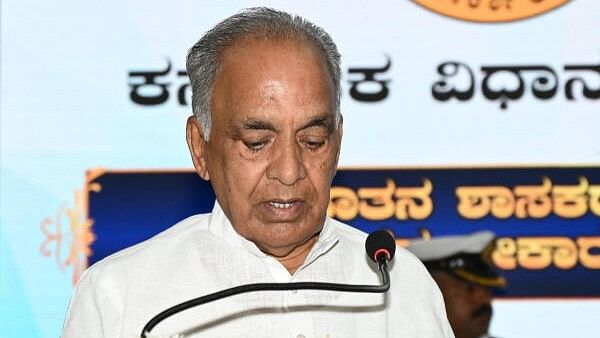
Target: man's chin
481 326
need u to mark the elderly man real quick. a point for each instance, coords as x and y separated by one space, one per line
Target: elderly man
461 267
266 132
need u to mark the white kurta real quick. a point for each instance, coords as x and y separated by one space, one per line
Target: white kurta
203 254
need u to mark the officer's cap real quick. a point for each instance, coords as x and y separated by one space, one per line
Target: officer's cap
467 257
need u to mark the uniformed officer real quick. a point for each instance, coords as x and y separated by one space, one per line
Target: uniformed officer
461 266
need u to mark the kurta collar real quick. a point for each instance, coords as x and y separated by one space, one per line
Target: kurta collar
220 226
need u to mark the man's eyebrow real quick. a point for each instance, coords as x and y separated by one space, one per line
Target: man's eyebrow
252 124
320 121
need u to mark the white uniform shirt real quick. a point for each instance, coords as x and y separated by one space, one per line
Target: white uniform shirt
203 254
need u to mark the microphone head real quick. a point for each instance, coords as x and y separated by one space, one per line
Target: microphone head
380 243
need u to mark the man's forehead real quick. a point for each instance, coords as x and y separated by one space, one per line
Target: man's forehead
262 86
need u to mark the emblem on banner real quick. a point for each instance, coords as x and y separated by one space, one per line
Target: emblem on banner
491 10
71 248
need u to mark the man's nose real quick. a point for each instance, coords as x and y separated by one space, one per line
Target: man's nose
286 165
482 294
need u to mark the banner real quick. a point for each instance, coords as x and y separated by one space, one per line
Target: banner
546 218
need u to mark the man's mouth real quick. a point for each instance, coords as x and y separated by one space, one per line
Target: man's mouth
484 311
281 205
284 210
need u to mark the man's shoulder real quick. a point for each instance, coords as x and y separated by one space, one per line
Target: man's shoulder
348 232
176 237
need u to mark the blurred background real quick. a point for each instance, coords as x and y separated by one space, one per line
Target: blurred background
459 115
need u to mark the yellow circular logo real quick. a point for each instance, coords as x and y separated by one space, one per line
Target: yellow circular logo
491 10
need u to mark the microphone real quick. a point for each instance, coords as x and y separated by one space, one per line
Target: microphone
380 246
380 243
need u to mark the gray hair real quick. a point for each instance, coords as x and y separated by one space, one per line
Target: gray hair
205 57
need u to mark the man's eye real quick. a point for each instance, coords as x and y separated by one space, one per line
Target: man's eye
314 144
255 145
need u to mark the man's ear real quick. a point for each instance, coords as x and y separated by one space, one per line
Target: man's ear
339 131
197 146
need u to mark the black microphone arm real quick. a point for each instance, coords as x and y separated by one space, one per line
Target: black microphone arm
382 254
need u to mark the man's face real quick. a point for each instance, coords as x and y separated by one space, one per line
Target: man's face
468 305
273 145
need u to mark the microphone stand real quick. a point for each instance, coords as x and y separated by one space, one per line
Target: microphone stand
381 262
